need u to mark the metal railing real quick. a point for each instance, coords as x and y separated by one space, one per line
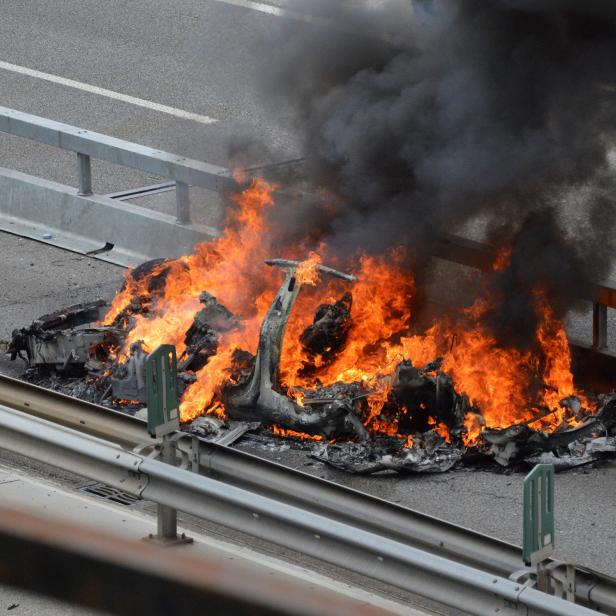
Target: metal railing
352 548
256 474
186 172
296 488
481 256
89 144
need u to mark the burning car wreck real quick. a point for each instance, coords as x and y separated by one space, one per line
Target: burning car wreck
348 376
408 135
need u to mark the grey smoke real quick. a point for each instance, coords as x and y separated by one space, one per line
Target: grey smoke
415 118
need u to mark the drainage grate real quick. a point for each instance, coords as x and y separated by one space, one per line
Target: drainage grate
109 493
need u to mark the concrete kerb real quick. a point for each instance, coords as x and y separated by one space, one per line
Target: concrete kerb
53 213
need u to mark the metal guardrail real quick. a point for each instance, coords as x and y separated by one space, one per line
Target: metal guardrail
280 482
89 144
355 549
186 172
481 256
302 490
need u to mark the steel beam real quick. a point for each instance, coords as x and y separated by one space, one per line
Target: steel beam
464 252
142 191
118 151
479 255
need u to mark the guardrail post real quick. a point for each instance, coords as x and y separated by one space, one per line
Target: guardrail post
599 326
538 533
182 196
163 419
550 576
85 175
167 529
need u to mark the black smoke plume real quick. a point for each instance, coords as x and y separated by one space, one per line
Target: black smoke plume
418 118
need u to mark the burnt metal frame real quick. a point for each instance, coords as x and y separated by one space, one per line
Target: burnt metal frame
262 390
163 420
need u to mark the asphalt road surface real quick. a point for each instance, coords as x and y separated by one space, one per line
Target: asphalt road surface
194 57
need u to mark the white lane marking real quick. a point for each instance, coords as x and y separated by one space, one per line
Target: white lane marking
278 11
270 9
125 98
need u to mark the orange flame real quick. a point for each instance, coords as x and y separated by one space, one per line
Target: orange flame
307 272
286 433
506 384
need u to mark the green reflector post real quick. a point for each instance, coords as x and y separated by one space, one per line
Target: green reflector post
161 380
538 530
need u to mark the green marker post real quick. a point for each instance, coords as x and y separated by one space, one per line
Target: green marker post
161 378
538 530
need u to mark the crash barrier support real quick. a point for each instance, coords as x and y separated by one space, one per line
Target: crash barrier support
538 536
161 382
599 326
352 548
538 528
